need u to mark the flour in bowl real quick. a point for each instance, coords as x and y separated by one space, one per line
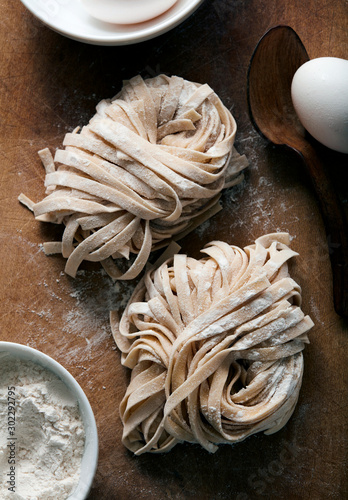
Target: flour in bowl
41 433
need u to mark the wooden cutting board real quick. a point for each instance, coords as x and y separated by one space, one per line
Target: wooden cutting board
48 86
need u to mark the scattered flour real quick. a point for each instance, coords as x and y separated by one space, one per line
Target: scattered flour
94 294
41 451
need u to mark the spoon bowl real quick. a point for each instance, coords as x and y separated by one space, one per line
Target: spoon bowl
273 64
275 60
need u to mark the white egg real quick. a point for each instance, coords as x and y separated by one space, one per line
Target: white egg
319 93
126 11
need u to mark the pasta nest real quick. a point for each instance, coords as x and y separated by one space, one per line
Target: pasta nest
214 345
148 168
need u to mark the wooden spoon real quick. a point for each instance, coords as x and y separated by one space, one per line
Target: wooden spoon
274 62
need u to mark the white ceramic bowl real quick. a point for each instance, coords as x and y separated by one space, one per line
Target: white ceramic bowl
69 18
90 455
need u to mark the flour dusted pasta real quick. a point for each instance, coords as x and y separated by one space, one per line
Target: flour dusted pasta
147 169
214 345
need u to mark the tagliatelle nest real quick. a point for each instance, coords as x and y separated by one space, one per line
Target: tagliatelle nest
147 169
215 347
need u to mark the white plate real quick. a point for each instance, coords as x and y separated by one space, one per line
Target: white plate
69 18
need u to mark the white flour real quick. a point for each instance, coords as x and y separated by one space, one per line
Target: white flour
42 459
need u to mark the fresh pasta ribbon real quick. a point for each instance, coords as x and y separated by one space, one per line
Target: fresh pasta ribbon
147 169
214 345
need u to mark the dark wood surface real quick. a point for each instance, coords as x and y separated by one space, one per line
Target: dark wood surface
49 85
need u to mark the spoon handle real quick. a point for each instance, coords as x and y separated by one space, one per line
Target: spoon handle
335 224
